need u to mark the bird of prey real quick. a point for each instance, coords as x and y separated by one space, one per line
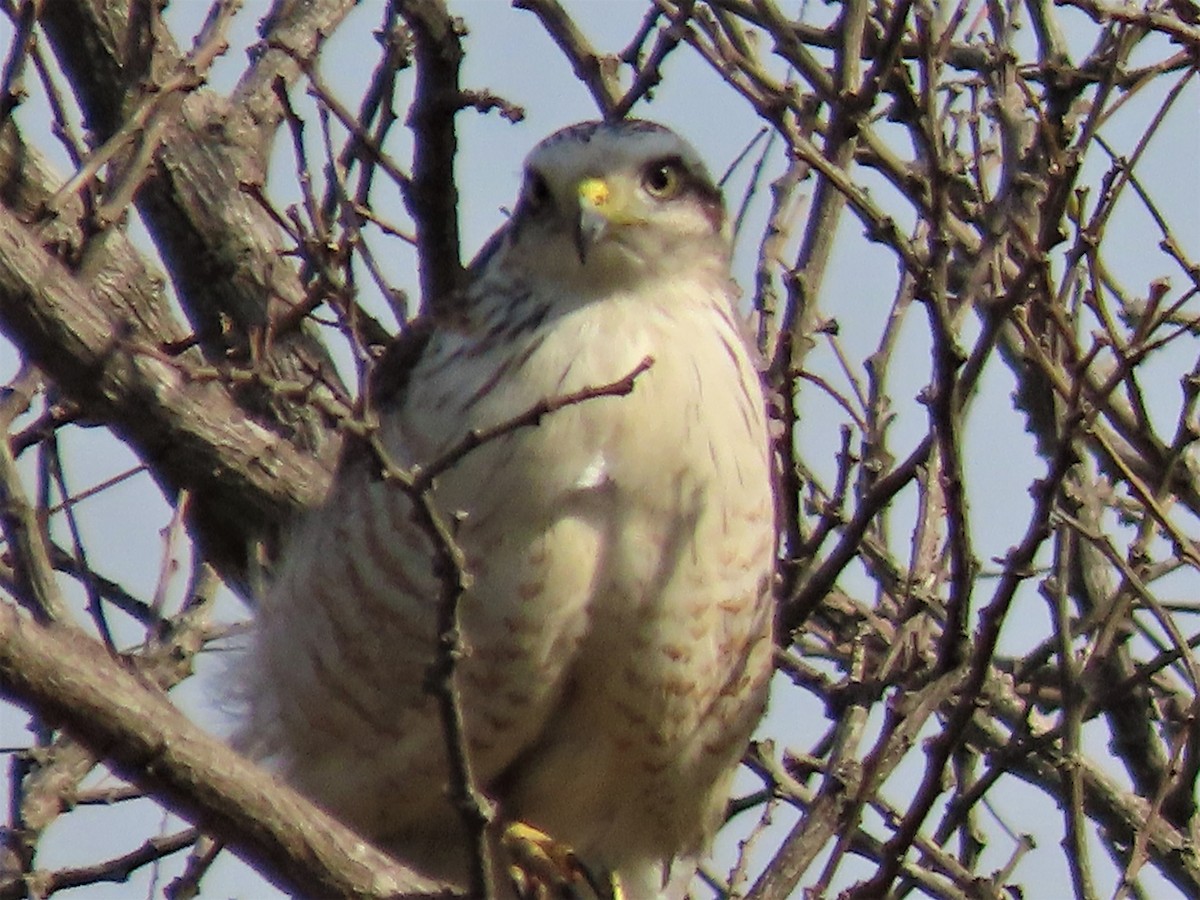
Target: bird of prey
617 555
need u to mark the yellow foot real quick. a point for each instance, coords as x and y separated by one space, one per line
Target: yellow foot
542 868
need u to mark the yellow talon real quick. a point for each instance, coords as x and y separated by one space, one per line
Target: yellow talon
541 867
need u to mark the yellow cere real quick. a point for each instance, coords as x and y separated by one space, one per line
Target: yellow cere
594 191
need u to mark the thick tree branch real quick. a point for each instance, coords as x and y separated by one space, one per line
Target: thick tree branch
224 253
246 481
69 679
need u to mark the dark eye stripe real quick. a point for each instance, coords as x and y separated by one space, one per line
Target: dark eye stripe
697 185
536 191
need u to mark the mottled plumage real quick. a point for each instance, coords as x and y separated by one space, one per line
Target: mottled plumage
620 553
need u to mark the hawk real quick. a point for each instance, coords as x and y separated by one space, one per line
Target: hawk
616 624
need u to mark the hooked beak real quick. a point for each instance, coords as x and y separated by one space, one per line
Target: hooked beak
595 214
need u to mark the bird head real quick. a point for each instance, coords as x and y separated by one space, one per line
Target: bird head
606 202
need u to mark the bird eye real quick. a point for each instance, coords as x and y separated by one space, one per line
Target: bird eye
663 179
537 191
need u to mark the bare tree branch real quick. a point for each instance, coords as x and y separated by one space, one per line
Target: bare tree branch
75 684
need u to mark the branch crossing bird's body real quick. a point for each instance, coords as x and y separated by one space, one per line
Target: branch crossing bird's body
617 620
